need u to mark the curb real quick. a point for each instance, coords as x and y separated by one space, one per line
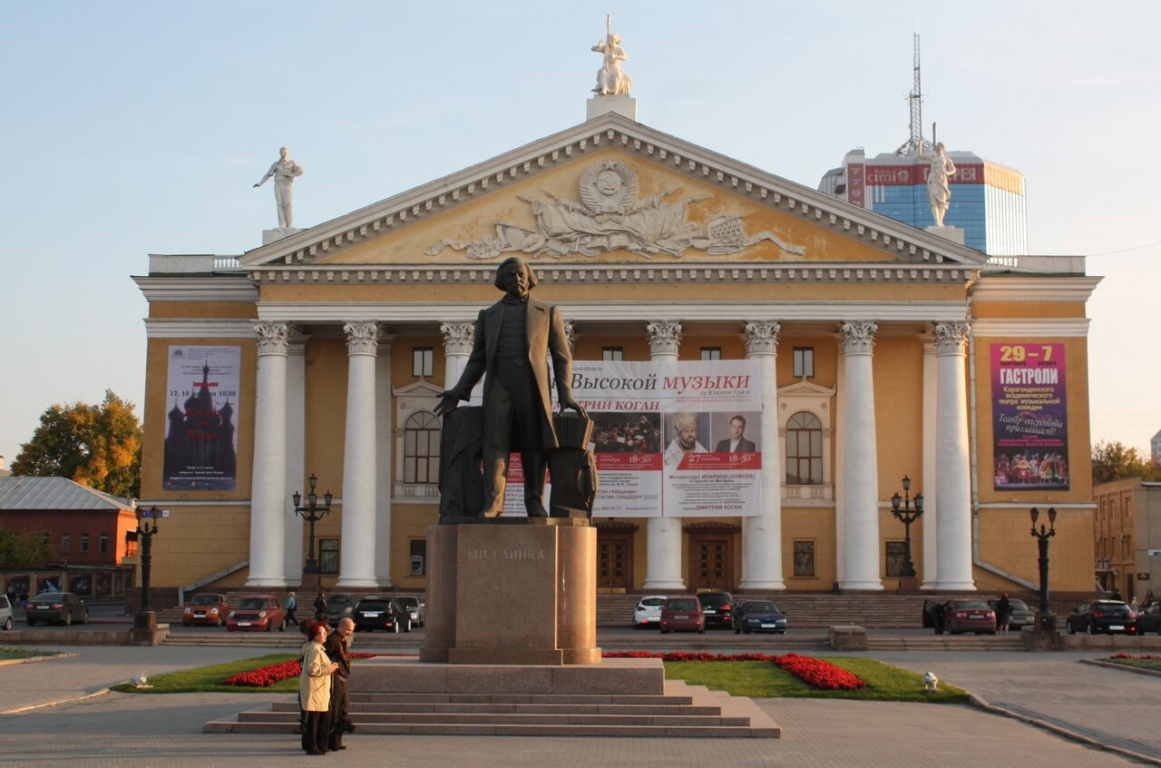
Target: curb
1121 667
33 659
57 702
981 703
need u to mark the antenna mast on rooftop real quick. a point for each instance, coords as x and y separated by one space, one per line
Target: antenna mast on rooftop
915 100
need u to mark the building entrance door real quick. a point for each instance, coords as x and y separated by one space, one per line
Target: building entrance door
711 559
614 560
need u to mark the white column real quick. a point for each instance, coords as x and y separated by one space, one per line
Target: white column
840 431
952 461
930 502
860 461
358 532
268 486
663 534
384 441
762 535
457 347
295 458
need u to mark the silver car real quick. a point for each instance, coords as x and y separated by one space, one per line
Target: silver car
5 613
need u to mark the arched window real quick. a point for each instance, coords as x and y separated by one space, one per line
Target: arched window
803 449
421 449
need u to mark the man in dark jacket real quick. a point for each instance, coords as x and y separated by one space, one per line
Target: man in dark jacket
338 646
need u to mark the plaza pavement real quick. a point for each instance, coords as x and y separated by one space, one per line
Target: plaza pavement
70 722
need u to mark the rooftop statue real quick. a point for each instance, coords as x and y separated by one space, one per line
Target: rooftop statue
611 81
284 170
938 189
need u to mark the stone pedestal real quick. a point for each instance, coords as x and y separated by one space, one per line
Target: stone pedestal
273 235
954 234
519 591
847 638
908 585
622 104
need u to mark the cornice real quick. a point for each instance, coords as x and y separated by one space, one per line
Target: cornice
611 130
203 328
1032 327
230 288
1018 289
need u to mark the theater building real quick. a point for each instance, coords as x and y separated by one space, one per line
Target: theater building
875 350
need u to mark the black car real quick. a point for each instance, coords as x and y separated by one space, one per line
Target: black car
62 607
718 608
759 616
1102 616
340 606
385 613
416 608
1149 619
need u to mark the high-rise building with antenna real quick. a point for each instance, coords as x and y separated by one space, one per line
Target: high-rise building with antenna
987 199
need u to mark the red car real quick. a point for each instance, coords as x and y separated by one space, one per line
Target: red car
961 616
682 614
206 608
260 613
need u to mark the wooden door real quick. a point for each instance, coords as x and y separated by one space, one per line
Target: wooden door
614 561
713 563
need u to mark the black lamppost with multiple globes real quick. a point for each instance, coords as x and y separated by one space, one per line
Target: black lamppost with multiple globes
145 534
1047 621
312 513
903 512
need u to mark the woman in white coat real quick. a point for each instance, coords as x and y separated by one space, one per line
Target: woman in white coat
314 690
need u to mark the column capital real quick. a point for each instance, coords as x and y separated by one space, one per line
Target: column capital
457 337
273 338
362 337
664 337
951 338
762 338
859 337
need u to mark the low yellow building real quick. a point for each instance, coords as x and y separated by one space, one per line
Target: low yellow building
881 351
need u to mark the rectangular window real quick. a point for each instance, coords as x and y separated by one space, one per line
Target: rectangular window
612 353
895 558
328 555
711 353
804 558
419 557
84 543
803 362
422 362
64 543
104 543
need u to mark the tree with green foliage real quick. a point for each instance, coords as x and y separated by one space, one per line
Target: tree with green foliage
1111 460
23 549
95 445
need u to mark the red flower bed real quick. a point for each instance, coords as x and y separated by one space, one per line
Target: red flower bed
1145 656
264 677
815 672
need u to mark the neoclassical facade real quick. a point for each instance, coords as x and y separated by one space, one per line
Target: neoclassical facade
881 348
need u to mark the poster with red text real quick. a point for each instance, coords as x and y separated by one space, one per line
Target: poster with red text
1030 417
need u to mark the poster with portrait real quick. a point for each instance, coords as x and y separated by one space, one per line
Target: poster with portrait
201 439
1030 417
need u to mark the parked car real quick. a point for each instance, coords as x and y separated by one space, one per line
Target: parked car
340 606
759 616
959 615
260 613
1102 616
5 612
648 611
718 608
1149 619
416 608
206 608
62 607
1022 615
385 613
682 614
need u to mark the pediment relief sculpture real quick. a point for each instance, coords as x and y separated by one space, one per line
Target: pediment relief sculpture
611 216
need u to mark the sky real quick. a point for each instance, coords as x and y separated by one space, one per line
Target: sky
132 128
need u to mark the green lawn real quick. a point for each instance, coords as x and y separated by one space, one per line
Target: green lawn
762 679
208 679
11 652
1140 663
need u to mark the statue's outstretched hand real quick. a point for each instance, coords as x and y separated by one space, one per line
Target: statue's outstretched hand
568 402
448 399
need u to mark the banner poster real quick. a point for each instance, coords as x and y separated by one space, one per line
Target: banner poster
1030 417
201 441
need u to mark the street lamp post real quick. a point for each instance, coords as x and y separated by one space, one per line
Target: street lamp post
312 513
901 509
145 534
1047 621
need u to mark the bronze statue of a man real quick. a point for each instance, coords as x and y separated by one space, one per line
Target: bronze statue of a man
513 340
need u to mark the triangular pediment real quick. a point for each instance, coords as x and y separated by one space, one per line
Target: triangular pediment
805 388
611 191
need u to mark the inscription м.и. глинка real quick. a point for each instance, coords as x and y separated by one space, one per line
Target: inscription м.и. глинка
505 554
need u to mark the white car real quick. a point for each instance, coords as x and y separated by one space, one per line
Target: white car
648 611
